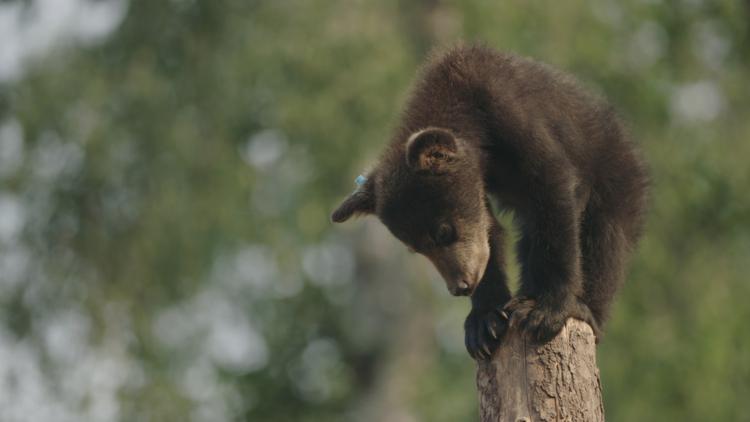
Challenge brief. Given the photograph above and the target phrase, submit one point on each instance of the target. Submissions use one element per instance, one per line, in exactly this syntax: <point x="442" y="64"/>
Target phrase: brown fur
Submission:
<point x="481" y="123"/>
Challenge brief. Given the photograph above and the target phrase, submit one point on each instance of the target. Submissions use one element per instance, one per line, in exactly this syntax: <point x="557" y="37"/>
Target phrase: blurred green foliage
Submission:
<point x="164" y="200"/>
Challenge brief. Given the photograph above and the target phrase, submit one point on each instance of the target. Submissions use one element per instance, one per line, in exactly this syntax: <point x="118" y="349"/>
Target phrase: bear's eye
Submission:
<point x="444" y="235"/>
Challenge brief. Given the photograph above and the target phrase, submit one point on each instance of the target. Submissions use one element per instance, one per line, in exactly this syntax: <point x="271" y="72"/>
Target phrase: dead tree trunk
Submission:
<point x="557" y="381"/>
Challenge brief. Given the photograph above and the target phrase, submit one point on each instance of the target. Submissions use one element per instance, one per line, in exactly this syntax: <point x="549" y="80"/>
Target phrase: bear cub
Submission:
<point x="482" y="124"/>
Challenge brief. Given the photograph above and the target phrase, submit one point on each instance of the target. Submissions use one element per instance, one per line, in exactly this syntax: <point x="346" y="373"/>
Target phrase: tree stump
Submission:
<point x="557" y="381"/>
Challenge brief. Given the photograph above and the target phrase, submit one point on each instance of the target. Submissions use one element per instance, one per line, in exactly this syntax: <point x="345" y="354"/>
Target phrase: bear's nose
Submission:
<point x="461" y="289"/>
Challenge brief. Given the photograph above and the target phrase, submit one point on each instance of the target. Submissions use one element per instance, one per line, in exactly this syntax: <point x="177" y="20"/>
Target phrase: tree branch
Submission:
<point x="557" y="381"/>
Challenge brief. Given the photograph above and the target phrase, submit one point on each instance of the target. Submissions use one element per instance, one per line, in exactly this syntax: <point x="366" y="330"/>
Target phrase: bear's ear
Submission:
<point x="361" y="201"/>
<point x="432" y="150"/>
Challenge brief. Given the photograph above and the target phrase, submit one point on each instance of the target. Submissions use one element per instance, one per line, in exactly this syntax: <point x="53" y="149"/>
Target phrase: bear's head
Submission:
<point x="429" y="192"/>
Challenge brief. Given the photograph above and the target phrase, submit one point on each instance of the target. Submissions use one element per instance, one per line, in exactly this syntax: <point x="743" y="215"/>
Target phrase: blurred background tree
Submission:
<point x="167" y="169"/>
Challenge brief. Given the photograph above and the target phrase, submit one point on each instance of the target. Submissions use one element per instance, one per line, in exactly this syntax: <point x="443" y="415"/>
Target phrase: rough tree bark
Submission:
<point x="557" y="381"/>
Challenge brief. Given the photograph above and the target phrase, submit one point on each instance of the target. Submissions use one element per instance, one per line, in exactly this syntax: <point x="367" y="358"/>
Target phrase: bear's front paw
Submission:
<point x="540" y="322"/>
<point x="484" y="331"/>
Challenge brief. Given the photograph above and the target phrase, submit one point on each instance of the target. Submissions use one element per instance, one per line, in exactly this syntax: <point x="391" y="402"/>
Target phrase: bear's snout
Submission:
<point x="461" y="289"/>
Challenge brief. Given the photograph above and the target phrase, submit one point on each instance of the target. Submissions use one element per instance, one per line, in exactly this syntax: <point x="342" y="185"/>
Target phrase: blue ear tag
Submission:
<point x="360" y="181"/>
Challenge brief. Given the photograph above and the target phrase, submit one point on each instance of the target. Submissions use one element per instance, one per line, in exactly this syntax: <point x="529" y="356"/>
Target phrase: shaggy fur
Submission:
<point x="483" y="124"/>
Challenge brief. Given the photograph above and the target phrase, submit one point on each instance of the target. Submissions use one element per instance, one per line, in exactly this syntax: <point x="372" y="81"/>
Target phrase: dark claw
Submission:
<point x="491" y="329"/>
<point x="543" y="323"/>
<point x="484" y="332"/>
